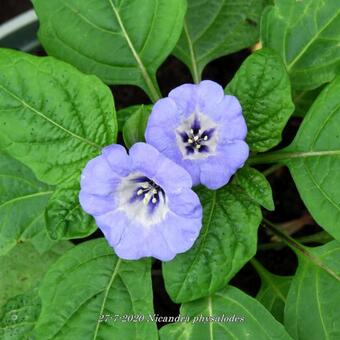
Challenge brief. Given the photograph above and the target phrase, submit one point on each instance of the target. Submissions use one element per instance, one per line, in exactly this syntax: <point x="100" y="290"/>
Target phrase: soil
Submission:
<point x="287" y="201"/>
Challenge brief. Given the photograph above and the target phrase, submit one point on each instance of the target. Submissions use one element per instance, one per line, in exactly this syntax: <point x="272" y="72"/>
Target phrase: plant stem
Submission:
<point x="320" y="237"/>
<point x="281" y="156"/>
<point x="272" y="169"/>
<point x="294" y="245"/>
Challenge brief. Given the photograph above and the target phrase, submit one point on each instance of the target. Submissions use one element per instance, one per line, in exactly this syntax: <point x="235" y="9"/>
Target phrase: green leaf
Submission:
<point x="22" y="204"/>
<point x="95" y="283"/>
<point x="135" y="126"/>
<point x="124" y="114"/>
<point x="65" y="219"/>
<point x="227" y="314"/>
<point x="263" y="89"/>
<point x="23" y="268"/>
<point x="256" y="186"/>
<point x="273" y="291"/>
<point x="314" y="159"/>
<point x="226" y="242"/>
<point x="312" y="309"/>
<point x="307" y="35"/>
<point x="52" y="117"/>
<point x="303" y="100"/>
<point x="214" y="28"/>
<point x="122" y="42"/>
<point x="19" y="316"/>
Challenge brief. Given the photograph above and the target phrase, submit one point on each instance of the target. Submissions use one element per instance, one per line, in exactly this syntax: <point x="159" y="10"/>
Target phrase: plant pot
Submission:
<point x="20" y="32"/>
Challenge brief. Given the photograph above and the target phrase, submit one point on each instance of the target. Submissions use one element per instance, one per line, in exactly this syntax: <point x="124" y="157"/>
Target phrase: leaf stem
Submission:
<point x="195" y="74"/>
<point x="281" y="156"/>
<point x="272" y="169"/>
<point x="320" y="237"/>
<point x="295" y="245"/>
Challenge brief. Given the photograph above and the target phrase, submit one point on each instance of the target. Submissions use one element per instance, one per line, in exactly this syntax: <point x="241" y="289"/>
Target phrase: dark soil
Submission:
<point x="287" y="201"/>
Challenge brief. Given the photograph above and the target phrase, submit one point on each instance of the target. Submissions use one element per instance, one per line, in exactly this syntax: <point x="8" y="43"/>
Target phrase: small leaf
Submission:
<point x="312" y="309"/>
<point x="227" y="314"/>
<point x="23" y="268"/>
<point x="135" y="126"/>
<point x="122" y="42"/>
<point x="263" y="89"/>
<point x="124" y="114"/>
<point x="22" y="204"/>
<point x="314" y="159"/>
<point x="273" y="291"/>
<point x="87" y="293"/>
<point x="256" y="186"/>
<point x="52" y="117"/>
<point x="226" y="243"/>
<point x="65" y="219"/>
<point x="214" y="28"/>
<point x="306" y="35"/>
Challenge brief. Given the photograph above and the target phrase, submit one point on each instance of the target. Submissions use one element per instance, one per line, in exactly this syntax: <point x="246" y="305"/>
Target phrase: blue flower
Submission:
<point x="142" y="202"/>
<point x="201" y="129"/>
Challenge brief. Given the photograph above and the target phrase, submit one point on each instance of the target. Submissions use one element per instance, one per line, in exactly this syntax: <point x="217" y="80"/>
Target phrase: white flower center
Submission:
<point x="142" y="199"/>
<point x="197" y="137"/>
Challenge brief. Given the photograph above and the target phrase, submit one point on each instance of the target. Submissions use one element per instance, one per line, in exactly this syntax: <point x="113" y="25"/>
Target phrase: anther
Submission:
<point x="198" y="146"/>
<point x="140" y="192"/>
<point x="196" y="138"/>
<point x="154" y="200"/>
<point x="190" y="141"/>
<point x="154" y="191"/>
<point x="192" y="131"/>
<point x="205" y="138"/>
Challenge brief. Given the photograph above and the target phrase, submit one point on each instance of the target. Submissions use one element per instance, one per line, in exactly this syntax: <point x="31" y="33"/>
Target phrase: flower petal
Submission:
<point x="209" y="95"/>
<point x="95" y="204"/>
<point x="185" y="204"/>
<point x="185" y="97"/>
<point x="98" y="177"/>
<point x="118" y="159"/>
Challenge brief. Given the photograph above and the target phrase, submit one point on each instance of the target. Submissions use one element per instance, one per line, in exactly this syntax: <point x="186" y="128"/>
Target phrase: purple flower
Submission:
<point x="142" y="202"/>
<point x="201" y="129"/>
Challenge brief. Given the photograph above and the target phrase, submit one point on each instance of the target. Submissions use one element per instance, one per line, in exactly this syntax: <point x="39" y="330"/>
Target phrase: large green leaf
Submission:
<point x="307" y="36"/>
<point x="227" y="241"/>
<point x="263" y="89"/>
<point x="312" y="309"/>
<point x="227" y="314"/>
<point x="256" y="186"/>
<point x="135" y="125"/>
<point x="123" y="42"/>
<point x="90" y="282"/>
<point x="22" y="204"/>
<point x="214" y="28"/>
<point x="65" y="219"/>
<point x="52" y="117"/>
<point x="273" y="291"/>
<point x="23" y="268"/>
<point x="303" y="100"/>
<point x="19" y="315"/>
<point x="314" y="159"/>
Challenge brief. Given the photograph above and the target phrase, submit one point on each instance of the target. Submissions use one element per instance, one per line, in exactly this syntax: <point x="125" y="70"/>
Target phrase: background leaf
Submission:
<point x="303" y="100"/>
<point x="312" y="309"/>
<point x="23" y="267"/>
<point x="263" y="89"/>
<point x="273" y="291"/>
<point x="22" y="204"/>
<point x="307" y="35"/>
<point x="226" y="242"/>
<point x="122" y="42"/>
<point x="65" y="219"/>
<point x="256" y="322"/>
<point x="19" y="316"/>
<point x="214" y="28"/>
<point x="135" y="126"/>
<point x="314" y="159"/>
<point x="52" y="117"/>
<point x="256" y="186"/>
<point x="95" y="282"/>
